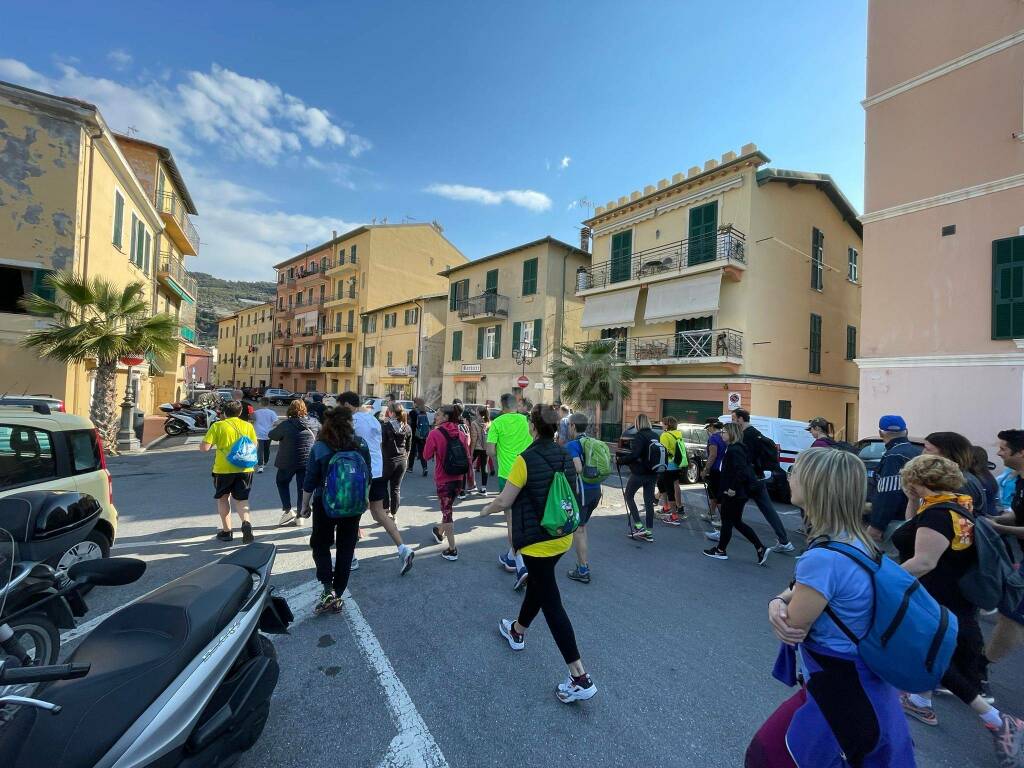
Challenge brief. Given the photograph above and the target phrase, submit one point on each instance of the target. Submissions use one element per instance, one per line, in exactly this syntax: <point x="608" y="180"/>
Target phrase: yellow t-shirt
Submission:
<point x="517" y="477"/>
<point x="669" y="440"/>
<point x="222" y="435"/>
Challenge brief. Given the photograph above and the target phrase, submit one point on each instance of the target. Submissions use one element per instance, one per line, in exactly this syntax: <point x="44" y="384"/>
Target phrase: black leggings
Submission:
<point x="732" y="517"/>
<point x="343" y="532"/>
<point x="394" y="497"/>
<point x="480" y="458"/>
<point x="963" y="677"/>
<point x="635" y="482"/>
<point x="416" y="451"/>
<point x="542" y="595"/>
<point x="263" y="452"/>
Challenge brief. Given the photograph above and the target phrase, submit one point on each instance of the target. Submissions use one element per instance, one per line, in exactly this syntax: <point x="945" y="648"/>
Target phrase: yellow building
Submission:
<point x="522" y="297"/>
<point x="244" y="347"/>
<point x="174" y="289"/>
<point x="403" y="348"/>
<point x="226" y="366"/>
<point x="70" y="200"/>
<point x="318" y="344"/>
<point x="732" y="284"/>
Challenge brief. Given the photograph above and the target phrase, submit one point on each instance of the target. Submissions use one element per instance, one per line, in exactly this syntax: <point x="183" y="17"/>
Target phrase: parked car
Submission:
<point x="278" y="396"/>
<point x="695" y="438"/>
<point x="44" y="449"/>
<point x="870" y="451"/>
<point x="224" y="393"/>
<point x="376" y="404"/>
<point x="252" y="393"/>
<point x="492" y="412"/>
<point x="54" y="403"/>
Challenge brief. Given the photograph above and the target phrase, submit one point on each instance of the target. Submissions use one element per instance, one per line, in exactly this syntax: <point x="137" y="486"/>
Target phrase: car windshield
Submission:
<point x="872" y="450"/>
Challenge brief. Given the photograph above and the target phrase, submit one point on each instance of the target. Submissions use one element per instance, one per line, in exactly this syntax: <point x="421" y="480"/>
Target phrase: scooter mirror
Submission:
<point x="112" y="572"/>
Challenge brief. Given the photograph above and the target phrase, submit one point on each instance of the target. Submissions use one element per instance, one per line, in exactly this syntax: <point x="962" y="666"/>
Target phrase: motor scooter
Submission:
<point x="184" y="420"/>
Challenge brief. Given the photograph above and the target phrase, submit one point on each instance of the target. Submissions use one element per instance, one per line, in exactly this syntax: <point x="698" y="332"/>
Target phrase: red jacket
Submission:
<point x="437" y="446"/>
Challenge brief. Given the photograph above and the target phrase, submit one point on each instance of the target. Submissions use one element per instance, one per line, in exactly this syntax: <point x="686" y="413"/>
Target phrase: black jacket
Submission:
<point x="296" y="435"/>
<point x="543" y="458"/>
<point x="635" y="459"/>
<point x="394" y="445"/>
<point x="737" y="474"/>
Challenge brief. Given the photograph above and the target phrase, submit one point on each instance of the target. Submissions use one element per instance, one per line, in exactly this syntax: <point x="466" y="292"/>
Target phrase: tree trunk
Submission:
<point x="103" y="410"/>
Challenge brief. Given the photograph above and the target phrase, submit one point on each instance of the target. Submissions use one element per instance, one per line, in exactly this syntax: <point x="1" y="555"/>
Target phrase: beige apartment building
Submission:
<point x="520" y="298"/>
<point x="944" y="217"/>
<point x="403" y="348"/>
<point x="71" y="200"/>
<point x="174" y="289"/>
<point x="318" y="344"/>
<point x="730" y="285"/>
<point x="244" y="347"/>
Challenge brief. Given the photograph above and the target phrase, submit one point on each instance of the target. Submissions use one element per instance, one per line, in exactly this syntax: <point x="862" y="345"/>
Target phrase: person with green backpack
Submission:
<point x="593" y="463"/>
<point x="544" y="513"/>
<point x="336" y="487"/>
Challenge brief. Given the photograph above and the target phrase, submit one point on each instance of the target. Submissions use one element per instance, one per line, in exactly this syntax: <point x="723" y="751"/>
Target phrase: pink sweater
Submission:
<point x="437" y="446"/>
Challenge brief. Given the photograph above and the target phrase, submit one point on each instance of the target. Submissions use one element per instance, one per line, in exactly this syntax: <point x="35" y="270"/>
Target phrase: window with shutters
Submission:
<point x="489" y="342"/>
<point x="851" y="342"/>
<point x="852" y="265"/>
<point x="785" y="409"/>
<point x="118" y="234"/>
<point x="622" y="252"/>
<point x="408" y="357"/>
<point x="814" y="362"/>
<point x="391" y="359"/>
<point x="456" y="345"/>
<point x="817" y="259"/>
<point x="458" y="292"/>
<point x="529" y="277"/>
<point x="368" y="356"/>
<point x="703" y="234"/>
<point x="1008" y="288"/>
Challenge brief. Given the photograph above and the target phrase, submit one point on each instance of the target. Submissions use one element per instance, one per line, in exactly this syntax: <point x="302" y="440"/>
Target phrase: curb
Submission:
<point x="159" y="439"/>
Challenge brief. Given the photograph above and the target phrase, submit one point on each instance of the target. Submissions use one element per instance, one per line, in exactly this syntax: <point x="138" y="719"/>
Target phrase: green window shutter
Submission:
<point x="622" y="252"/>
<point x="814" y="362"/>
<point x="39" y="285"/>
<point x="457" y="345"/>
<point x="701" y="246"/>
<point x="851" y="342"/>
<point x="452" y="296"/>
<point x="1008" y="288"/>
<point x="149" y="245"/>
<point x="492" y="281"/>
<point x="517" y="335"/>
<point x="530" y="277"/>
<point x="118" y="238"/>
<point x="135" y="235"/>
<point x="538" y="339"/>
<point x="480" y="336"/>
<point x="497" y="342"/>
<point x="817" y="258"/>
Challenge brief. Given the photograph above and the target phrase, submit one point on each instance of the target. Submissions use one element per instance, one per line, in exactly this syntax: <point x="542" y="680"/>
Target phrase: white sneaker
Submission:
<point x="571" y="690"/>
<point x="288" y="518"/>
<point x="355" y="564"/>
<point x="712" y="535"/>
<point x="787" y="547"/>
<point x="259" y="470"/>
<point x="515" y="641"/>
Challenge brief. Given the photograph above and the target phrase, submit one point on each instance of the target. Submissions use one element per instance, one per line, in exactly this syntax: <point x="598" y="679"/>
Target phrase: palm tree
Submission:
<point x="93" y="318"/>
<point x="593" y="378"/>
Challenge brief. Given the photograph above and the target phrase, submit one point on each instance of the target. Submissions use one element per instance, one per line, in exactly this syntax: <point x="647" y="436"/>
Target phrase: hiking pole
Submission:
<point x="622" y="487"/>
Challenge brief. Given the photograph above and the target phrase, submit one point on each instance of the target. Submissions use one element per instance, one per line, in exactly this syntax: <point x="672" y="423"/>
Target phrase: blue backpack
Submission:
<point x="242" y="452"/>
<point x="347" y="487"/>
<point x="911" y="637"/>
<point x="422" y="426"/>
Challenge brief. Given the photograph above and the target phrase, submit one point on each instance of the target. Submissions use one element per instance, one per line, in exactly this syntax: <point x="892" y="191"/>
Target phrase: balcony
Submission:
<point x="284" y="338"/>
<point x="718" y="345"/>
<point x="187" y="334"/>
<point x="304" y="275"/>
<point x="345" y="331"/>
<point x="725" y="250"/>
<point x="340" y="266"/>
<point x="179" y="225"/>
<point x="171" y="272"/>
<point x="341" y="363"/>
<point x="309" y="335"/>
<point x="346" y="295"/>
<point x="480" y="309"/>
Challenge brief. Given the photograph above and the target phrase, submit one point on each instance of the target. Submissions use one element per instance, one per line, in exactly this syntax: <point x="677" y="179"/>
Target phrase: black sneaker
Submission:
<point x="438" y="536"/>
<point x="224" y="536"/>
<point x="450" y="554"/>
<point x="247" y="537"/>
<point x="424" y="473"/>
<point x="715" y="553"/>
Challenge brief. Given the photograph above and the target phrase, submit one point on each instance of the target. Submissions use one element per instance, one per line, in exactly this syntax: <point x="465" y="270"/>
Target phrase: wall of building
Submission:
<point x="227" y="350"/>
<point x="403" y="262"/>
<point x="401" y="342"/>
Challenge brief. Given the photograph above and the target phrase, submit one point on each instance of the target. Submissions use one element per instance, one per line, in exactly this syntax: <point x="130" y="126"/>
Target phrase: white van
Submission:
<point x="789" y="434"/>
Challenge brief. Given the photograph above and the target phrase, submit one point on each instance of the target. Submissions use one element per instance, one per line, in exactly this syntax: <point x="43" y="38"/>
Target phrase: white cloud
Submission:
<point x="524" y="198"/>
<point x="565" y="162"/>
<point x="120" y="58"/>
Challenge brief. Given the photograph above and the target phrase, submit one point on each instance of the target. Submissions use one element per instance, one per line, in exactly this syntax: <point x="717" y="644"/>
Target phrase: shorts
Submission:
<point x="714" y="482"/>
<point x="378" y="489"/>
<point x="446" y="495"/>
<point x="238" y="484"/>
<point x="668" y="479"/>
<point x="590" y="501"/>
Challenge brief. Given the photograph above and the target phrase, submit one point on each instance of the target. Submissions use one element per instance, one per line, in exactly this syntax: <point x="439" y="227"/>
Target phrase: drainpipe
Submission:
<point x="560" y="319"/>
<point x="419" y="345"/>
<point x="85" y="250"/>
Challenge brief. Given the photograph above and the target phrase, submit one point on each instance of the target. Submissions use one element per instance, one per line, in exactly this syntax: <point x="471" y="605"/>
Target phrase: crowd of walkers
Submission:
<point x="933" y="506"/>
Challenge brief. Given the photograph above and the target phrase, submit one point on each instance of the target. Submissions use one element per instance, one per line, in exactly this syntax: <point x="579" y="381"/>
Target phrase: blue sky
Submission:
<point x="493" y="119"/>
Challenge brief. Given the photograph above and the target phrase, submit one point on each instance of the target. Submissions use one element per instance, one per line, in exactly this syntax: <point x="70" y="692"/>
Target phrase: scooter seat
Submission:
<point x="135" y="654"/>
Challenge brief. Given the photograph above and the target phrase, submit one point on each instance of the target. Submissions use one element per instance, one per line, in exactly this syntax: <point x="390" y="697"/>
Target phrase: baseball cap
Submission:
<point x="892" y="423"/>
<point x="818" y="421"/>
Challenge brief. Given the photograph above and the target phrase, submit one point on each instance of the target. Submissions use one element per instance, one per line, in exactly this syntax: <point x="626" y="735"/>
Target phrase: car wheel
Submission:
<point x="95" y="546"/>
<point x="38" y="641"/>
<point x="692" y="472"/>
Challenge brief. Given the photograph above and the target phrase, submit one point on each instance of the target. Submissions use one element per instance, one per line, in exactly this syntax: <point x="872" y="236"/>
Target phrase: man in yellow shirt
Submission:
<point x="230" y="480"/>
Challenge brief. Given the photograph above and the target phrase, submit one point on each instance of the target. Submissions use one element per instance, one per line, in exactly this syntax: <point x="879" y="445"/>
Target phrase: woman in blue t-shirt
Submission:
<point x="590" y="495"/>
<point x="843" y="713"/>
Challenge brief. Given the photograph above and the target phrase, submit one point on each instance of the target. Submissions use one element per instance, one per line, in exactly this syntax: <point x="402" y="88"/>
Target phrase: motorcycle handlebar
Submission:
<point x="43" y="674"/>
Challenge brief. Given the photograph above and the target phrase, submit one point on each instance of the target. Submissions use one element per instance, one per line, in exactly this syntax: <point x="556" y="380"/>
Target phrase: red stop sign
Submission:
<point x="523" y="382"/>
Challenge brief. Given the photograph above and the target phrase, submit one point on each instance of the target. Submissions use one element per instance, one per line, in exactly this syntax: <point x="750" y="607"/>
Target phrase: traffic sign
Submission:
<point x="523" y="382"/>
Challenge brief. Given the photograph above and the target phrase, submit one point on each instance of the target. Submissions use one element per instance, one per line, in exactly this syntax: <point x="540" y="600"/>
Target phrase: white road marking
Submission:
<point x="194" y="440"/>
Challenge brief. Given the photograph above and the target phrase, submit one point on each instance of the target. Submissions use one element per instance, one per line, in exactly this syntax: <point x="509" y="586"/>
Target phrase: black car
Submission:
<point x="871" y="449"/>
<point x="695" y="438"/>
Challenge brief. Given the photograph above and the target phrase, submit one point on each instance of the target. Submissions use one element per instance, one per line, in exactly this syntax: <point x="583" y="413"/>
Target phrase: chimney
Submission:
<point x="585" y="234"/>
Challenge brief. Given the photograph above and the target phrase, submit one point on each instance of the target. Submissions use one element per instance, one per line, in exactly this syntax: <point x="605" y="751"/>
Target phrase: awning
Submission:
<point x="682" y="298"/>
<point x="611" y="310"/>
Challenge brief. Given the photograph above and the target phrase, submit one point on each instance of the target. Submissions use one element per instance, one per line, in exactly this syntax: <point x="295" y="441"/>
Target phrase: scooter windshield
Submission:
<point x="6" y="565"/>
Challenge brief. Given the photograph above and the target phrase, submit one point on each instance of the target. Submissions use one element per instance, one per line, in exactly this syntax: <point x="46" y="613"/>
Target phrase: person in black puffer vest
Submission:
<point x="296" y="434"/>
<point x="526" y="492"/>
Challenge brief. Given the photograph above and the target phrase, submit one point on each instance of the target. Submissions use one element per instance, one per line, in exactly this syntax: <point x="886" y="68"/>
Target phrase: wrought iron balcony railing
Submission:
<point x="486" y="306"/>
<point x="710" y="344"/>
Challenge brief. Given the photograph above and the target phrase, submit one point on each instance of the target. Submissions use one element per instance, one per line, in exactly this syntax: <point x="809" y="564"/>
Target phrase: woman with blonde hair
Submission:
<point x="736" y="480"/>
<point x="843" y="714"/>
<point x="936" y="545"/>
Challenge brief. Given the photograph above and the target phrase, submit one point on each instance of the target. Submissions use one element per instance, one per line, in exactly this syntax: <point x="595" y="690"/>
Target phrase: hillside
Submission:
<point x="218" y="297"/>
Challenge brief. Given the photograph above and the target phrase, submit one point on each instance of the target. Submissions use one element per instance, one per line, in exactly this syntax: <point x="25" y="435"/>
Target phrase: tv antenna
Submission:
<point x="131" y="130"/>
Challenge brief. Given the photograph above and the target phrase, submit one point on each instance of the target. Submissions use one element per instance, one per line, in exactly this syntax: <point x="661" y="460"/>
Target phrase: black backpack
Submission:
<point x="766" y="453"/>
<point x="842" y="445"/>
<point x="456" y="460"/>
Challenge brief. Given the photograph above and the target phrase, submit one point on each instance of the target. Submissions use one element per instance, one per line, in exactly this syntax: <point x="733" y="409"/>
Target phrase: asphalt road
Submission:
<point x="414" y="673"/>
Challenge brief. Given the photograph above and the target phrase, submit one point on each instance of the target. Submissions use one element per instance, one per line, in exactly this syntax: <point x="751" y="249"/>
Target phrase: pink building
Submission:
<point x="198" y="365"/>
<point x="943" y="304"/>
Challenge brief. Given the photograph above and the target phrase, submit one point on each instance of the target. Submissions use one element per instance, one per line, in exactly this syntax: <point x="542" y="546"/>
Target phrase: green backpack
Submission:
<point x="597" y="460"/>
<point x="561" y="510"/>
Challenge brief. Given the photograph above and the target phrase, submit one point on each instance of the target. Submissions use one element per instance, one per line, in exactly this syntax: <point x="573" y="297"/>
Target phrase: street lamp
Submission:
<point x="126" y="439"/>
<point x="524" y="354"/>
